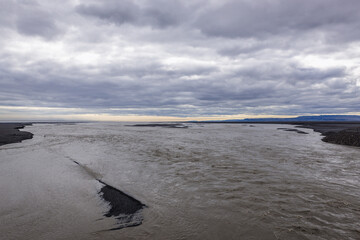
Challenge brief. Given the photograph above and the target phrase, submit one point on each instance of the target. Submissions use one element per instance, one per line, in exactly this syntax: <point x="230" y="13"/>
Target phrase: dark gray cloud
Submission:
<point x="29" y="17"/>
<point x="118" y="12"/>
<point x="248" y="19"/>
<point x="6" y="13"/>
<point x="254" y="88"/>
<point x="36" y="23"/>
<point x="181" y="58"/>
<point x="158" y="13"/>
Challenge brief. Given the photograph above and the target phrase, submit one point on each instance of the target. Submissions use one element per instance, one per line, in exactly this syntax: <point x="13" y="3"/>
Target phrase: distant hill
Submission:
<point x="320" y="118"/>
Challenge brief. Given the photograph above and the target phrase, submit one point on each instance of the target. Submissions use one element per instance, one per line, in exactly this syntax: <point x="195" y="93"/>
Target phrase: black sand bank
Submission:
<point x="122" y="206"/>
<point x="164" y="125"/>
<point x="343" y="133"/>
<point x="10" y="133"/>
<point x="125" y="208"/>
<point x="337" y="132"/>
<point x="292" y="130"/>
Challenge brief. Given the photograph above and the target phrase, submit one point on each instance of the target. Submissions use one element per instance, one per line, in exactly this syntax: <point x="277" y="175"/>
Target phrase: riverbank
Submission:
<point x="10" y="133"/>
<point x="338" y="133"/>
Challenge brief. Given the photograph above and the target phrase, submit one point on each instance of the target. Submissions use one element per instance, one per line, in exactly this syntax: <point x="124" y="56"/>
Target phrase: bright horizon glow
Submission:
<point x="9" y="113"/>
<point x="178" y="60"/>
<point x="76" y="114"/>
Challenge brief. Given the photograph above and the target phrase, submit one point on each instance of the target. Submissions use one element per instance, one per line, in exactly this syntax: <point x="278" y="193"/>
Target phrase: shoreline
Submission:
<point x="125" y="208"/>
<point x="345" y="133"/>
<point x="342" y="133"/>
<point x="10" y="133"/>
<point x="128" y="211"/>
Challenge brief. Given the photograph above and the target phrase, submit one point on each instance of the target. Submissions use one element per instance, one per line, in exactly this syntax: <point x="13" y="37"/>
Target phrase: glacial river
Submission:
<point x="211" y="181"/>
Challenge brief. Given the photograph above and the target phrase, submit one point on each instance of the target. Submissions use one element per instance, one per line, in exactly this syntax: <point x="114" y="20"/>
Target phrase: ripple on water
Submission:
<point x="221" y="181"/>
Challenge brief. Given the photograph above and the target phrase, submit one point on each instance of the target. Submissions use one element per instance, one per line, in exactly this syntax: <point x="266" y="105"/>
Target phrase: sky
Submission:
<point x="160" y="60"/>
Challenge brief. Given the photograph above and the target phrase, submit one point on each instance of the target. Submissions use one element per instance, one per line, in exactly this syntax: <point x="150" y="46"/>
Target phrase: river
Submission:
<point x="207" y="181"/>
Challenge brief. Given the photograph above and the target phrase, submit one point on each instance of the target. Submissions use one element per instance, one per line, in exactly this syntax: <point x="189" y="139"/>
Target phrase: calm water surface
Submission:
<point x="214" y="181"/>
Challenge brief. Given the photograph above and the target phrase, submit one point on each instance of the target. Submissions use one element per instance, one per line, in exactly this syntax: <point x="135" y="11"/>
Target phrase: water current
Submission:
<point x="207" y="181"/>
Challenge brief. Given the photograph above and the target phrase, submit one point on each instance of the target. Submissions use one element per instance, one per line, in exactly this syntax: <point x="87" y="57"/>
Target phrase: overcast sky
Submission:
<point x="169" y="59"/>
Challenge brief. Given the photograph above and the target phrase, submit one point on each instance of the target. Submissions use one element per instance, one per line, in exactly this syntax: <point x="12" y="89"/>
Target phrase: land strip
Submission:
<point x="10" y="133"/>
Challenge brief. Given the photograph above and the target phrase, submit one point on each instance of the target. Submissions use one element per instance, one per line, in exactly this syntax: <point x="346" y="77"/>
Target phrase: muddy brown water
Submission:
<point x="214" y="181"/>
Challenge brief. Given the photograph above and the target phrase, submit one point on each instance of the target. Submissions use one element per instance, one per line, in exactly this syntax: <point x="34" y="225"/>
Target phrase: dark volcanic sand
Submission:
<point x="10" y="133"/>
<point x="165" y="125"/>
<point x="124" y="207"/>
<point x="293" y="130"/>
<point x="343" y="133"/>
<point x="338" y="133"/>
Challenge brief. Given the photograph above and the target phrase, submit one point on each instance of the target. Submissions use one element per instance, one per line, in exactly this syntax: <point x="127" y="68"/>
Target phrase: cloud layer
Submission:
<point x="181" y="58"/>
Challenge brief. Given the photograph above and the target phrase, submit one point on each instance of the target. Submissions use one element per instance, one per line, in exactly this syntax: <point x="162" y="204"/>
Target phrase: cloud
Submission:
<point x="36" y="22"/>
<point x="6" y="13"/>
<point x="263" y="19"/>
<point x="30" y="18"/>
<point x="118" y="12"/>
<point x="180" y="58"/>
<point x="158" y="13"/>
<point x="154" y="91"/>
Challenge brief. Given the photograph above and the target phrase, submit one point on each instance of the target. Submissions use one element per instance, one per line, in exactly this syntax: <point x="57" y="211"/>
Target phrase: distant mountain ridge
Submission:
<point x="320" y="118"/>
